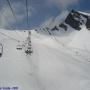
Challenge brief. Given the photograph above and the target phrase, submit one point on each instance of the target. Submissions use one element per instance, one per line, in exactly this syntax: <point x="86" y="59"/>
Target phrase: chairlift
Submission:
<point x="19" y="47"/>
<point x="28" y="50"/>
<point x="1" y="50"/>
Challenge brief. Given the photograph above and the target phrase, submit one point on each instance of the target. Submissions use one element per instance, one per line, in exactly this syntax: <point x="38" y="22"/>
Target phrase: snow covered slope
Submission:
<point x="81" y="40"/>
<point x="53" y="65"/>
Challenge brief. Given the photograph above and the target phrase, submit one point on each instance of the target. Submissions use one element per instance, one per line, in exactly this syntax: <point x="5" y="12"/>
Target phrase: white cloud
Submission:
<point x="6" y="17"/>
<point x="47" y="22"/>
<point x="52" y="21"/>
<point x="62" y="3"/>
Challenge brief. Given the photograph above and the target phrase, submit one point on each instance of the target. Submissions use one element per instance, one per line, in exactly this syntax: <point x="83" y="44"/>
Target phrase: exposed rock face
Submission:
<point x="47" y="28"/>
<point x="88" y="23"/>
<point x="76" y="19"/>
<point x="62" y="25"/>
<point x="55" y="28"/>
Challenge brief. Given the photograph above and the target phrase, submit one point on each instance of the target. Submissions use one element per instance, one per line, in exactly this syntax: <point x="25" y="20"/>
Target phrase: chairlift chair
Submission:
<point x="19" y="47"/>
<point x="1" y="50"/>
<point x="28" y="50"/>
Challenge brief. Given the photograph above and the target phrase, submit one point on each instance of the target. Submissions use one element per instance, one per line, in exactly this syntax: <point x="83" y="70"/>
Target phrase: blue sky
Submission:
<point x="39" y="11"/>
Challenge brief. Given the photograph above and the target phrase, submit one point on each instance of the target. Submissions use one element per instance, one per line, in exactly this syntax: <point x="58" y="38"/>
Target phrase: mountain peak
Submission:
<point x="74" y="19"/>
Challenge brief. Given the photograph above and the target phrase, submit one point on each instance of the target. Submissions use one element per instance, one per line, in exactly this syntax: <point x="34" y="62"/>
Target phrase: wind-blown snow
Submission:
<point x="55" y="21"/>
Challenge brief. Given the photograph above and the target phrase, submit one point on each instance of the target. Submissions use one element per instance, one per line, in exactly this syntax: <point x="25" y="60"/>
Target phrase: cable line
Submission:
<point x="9" y="36"/>
<point x="10" y="6"/>
<point x="27" y="13"/>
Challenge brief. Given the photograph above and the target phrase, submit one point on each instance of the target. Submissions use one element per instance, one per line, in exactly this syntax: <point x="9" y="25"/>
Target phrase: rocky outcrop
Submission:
<point x="76" y="19"/>
<point x="55" y="28"/>
<point x="88" y="23"/>
<point x="62" y="25"/>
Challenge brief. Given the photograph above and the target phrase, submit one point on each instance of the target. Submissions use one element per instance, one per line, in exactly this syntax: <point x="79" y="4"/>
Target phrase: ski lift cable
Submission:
<point x="10" y="6"/>
<point x="29" y="32"/>
<point x="19" y="34"/>
<point x="9" y="36"/>
<point x="27" y="12"/>
<point x="9" y="3"/>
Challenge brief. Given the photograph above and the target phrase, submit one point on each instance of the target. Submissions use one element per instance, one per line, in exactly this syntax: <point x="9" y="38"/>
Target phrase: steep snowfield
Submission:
<point x="81" y="40"/>
<point x="52" y="66"/>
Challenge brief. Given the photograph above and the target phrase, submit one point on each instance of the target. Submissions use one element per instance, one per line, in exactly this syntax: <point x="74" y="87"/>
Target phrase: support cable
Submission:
<point x="10" y="6"/>
<point x="9" y="36"/>
<point x="27" y="13"/>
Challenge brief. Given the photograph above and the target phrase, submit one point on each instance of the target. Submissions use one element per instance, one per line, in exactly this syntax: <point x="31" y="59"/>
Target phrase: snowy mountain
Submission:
<point x="67" y="26"/>
<point x="60" y="58"/>
<point x="74" y="19"/>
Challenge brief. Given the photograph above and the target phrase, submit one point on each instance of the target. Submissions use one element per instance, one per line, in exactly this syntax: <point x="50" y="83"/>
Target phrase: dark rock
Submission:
<point x="62" y="25"/>
<point x="76" y="19"/>
<point x="55" y="28"/>
<point x="47" y="28"/>
<point x="88" y="23"/>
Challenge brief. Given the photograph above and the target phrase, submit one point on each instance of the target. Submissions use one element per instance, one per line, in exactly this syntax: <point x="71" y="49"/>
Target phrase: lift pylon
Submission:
<point x="28" y="47"/>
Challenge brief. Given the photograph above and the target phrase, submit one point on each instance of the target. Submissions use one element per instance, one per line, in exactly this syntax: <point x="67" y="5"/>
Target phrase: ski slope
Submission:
<point x="52" y="65"/>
